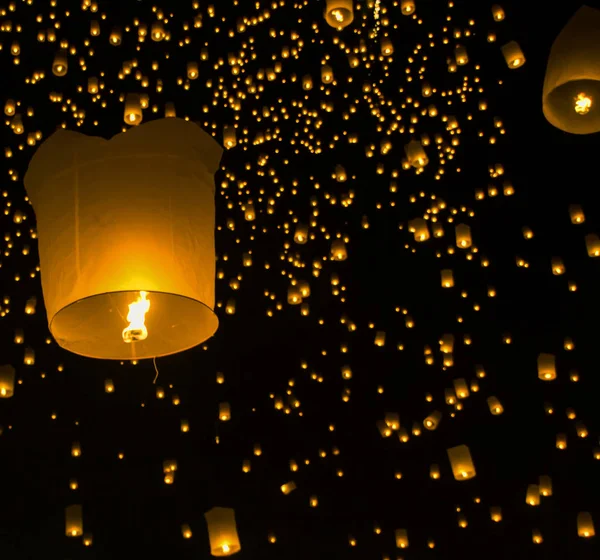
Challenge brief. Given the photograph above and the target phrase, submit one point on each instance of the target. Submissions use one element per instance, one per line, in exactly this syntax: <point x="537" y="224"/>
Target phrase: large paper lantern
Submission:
<point x="126" y="238"/>
<point x="571" y="94"/>
<point x="222" y="531"/>
<point x="339" y="13"/>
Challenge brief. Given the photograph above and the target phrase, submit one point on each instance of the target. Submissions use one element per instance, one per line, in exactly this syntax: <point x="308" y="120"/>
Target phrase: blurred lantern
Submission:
<point x="7" y="381"/>
<point x="339" y="13"/>
<point x="73" y="521"/>
<point x="415" y="154"/>
<point x="463" y="236"/>
<point x="461" y="462"/>
<point x="585" y="525"/>
<point x="497" y="12"/>
<point x="447" y="278"/>
<point x="222" y="531"/>
<point x="546" y="367"/>
<point x="288" y="487"/>
<point x="407" y="7"/>
<point x="338" y="250"/>
<point x="401" y="538"/>
<point x="592" y="243"/>
<point x="133" y="109"/>
<point x="571" y="90"/>
<point x="30" y="305"/>
<point x="433" y="420"/>
<point x="229" y="139"/>
<point x="117" y="259"/>
<point x="513" y="55"/>
<point x="224" y="412"/>
<point x="60" y="66"/>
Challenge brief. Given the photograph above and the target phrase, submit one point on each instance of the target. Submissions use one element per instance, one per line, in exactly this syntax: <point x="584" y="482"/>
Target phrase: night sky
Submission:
<point x="307" y="383"/>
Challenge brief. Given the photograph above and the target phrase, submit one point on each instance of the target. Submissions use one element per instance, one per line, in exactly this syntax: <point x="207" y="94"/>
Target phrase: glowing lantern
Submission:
<point x="407" y="7"/>
<point x="496" y="514"/>
<point x="339" y="13"/>
<point x="592" y="243"/>
<point x="92" y="85"/>
<point x="338" y="250"/>
<point x="222" y="531"/>
<point x="88" y="539"/>
<point x="447" y="278"/>
<point x="460" y="55"/>
<point x="60" y="66"/>
<point x="533" y="495"/>
<point x="401" y="538"/>
<point x="558" y="267"/>
<point x="133" y="109"/>
<point x="224" y="412"/>
<point x="109" y="386"/>
<point x="115" y="37"/>
<point x="495" y="406"/>
<point x="387" y="48"/>
<point x="420" y="229"/>
<point x="29" y="356"/>
<point x="294" y="297"/>
<point x="513" y="55"/>
<point x="497" y="12"/>
<point x="9" y="108"/>
<point x="576" y="214"/>
<point x="545" y="486"/>
<point x="7" y="381"/>
<point x="380" y="338"/>
<point x="434" y="472"/>
<point x="572" y="83"/>
<point x="192" y="70"/>
<point x="461" y="462"/>
<point x="157" y="31"/>
<point x="288" y="487"/>
<point x="447" y="343"/>
<point x="415" y="154"/>
<point x="546" y="367"/>
<point x="186" y="531"/>
<point x="326" y="74"/>
<point x="94" y="28"/>
<point x="463" y="236"/>
<point x="134" y="262"/>
<point x="585" y="525"/>
<point x="73" y="521"/>
<point x="30" y="305"/>
<point x="433" y="420"/>
<point x="461" y="388"/>
<point x="307" y="83"/>
<point x="536" y="536"/>
<point x="229" y="139"/>
<point x="170" y="111"/>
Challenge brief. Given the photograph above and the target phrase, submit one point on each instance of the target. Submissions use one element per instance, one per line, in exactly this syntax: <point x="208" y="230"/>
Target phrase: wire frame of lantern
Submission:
<point x="132" y="273"/>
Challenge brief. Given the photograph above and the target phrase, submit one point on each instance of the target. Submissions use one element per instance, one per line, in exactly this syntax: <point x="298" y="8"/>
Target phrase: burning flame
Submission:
<point x="583" y="104"/>
<point x="137" y="314"/>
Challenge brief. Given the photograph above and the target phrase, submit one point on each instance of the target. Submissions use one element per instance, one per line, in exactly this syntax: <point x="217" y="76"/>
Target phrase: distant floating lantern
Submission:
<point x="60" y="65"/>
<point x="224" y="412"/>
<point x="496" y="514"/>
<point x="73" y="521"/>
<point x="447" y="278"/>
<point x="192" y="70"/>
<point x="222" y="531"/>
<point x="576" y="214"/>
<point x="157" y="31"/>
<point x="307" y="83"/>
<point x="460" y="55"/>
<point x="339" y="13"/>
<point x="229" y="138"/>
<point x="415" y="154"/>
<point x="546" y="367"/>
<point x="115" y="37"/>
<point x="7" y="381"/>
<point x="513" y="55"/>
<point x="533" y="495"/>
<point x="401" y="538"/>
<point x="463" y="236"/>
<point x="29" y="356"/>
<point x="338" y="250"/>
<point x="109" y="386"/>
<point x="433" y="420"/>
<point x="495" y="406"/>
<point x="131" y="256"/>
<point x="133" y="109"/>
<point x="585" y="525"/>
<point x="30" y="305"/>
<point x="288" y="487"/>
<point x="571" y="92"/>
<point x="497" y="12"/>
<point x="545" y="486"/>
<point x="387" y="47"/>
<point x="461" y="462"/>
<point x="170" y="111"/>
<point x="326" y="74"/>
<point x="592" y="243"/>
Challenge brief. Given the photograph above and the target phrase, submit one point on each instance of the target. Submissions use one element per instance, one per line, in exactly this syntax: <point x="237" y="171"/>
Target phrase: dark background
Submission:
<point x="127" y="507"/>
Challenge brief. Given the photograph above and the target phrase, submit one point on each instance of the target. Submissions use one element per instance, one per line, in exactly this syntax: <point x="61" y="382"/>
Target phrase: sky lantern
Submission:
<point x="461" y="462"/>
<point x="132" y="273"/>
<point x="571" y="90"/>
<point x="513" y="55"/>
<point x="7" y="381"/>
<point x="222" y="531"/>
<point x="339" y="13"/>
<point x="73" y="521"/>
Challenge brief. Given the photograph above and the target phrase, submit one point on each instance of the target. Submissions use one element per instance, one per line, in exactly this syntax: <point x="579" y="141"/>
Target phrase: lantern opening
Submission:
<point x="137" y="315"/>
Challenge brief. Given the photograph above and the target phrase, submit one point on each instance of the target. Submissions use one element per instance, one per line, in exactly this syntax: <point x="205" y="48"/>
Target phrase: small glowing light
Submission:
<point x="583" y="104"/>
<point x="225" y="547"/>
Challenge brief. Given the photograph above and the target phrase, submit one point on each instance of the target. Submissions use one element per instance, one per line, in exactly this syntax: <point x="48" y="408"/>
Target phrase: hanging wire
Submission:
<point x="154" y="362"/>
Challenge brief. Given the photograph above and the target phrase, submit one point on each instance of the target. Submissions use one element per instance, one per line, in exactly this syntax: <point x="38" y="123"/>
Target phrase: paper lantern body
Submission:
<point x="7" y="381"/>
<point x="571" y="94"/>
<point x="116" y="217"/>
<point x="222" y="531"/>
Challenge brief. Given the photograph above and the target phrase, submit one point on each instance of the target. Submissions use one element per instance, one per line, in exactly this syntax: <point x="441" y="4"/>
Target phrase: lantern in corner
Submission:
<point x="222" y="531"/>
<point x="571" y="92"/>
<point x="339" y="13"/>
<point x="126" y="238"/>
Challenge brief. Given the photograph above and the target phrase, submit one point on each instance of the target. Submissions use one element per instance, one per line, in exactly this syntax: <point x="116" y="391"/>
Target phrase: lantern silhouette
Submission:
<point x="130" y="272"/>
<point x="571" y="92"/>
<point x="7" y="381"/>
<point x="222" y="532"/>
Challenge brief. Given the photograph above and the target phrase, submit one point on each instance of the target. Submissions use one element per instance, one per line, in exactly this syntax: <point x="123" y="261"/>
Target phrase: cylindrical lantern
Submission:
<point x="133" y="109"/>
<point x="460" y="55"/>
<point x="513" y="55"/>
<point x="339" y="13"/>
<point x="576" y="214"/>
<point x="60" y="66"/>
<point x="533" y="495"/>
<point x="461" y="462"/>
<point x="433" y="420"/>
<point x="326" y="74"/>
<point x="545" y="485"/>
<point x="7" y="381"/>
<point x="338" y="250"/>
<point x="463" y="236"/>
<point x="497" y="12"/>
<point x="229" y="139"/>
<point x="401" y="538"/>
<point x="495" y="406"/>
<point x="387" y="47"/>
<point x="130" y="273"/>
<point x="546" y="367"/>
<point x="447" y="278"/>
<point x="192" y="70"/>
<point x="571" y="92"/>
<point x="224" y="412"/>
<point x="222" y="531"/>
<point x="420" y="229"/>
<point x="407" y="7"/>
<point x="415" y="154"/>
<point x="592" y="243"/>
<point x="73" y="521"/>
<point x="585" y="525"/>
